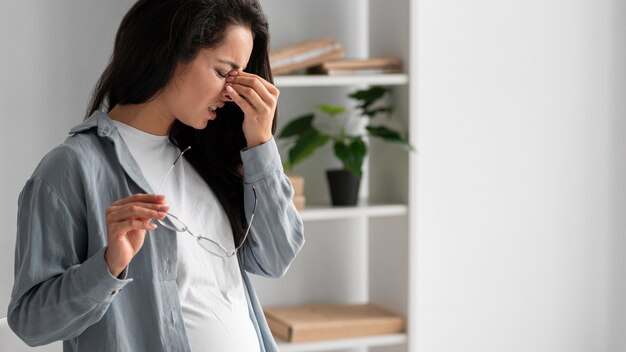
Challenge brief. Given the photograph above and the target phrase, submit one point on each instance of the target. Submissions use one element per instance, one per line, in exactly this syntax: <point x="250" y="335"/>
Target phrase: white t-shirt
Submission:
<point x="210" y="287"/>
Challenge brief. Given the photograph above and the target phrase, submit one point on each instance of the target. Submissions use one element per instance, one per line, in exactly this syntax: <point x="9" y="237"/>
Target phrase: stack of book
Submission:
<point x="304" y="55"/>
<point x="371" y="66"/>
<point x="311" y="322"/>
<point x="299" y="200"/>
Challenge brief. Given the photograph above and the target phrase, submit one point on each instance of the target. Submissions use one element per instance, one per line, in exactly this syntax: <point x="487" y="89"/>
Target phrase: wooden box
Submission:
<point x="331" y="321"/>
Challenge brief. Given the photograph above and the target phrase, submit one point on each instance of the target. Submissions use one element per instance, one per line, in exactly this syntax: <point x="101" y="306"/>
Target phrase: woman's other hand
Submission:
<point x="257" y="98"/>
<point x="127" y="221"/>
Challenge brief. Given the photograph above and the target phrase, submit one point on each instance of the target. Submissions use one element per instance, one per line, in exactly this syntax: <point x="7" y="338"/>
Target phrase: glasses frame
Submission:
<point x="225" y="252"/>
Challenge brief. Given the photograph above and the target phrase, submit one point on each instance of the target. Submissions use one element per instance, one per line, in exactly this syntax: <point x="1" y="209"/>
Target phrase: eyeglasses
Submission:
<point x="205" y="242"/>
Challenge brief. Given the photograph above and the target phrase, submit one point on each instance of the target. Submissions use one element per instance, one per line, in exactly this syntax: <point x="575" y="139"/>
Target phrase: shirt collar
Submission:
<point x="100" y="120"/>
<point x="106" y="128"/>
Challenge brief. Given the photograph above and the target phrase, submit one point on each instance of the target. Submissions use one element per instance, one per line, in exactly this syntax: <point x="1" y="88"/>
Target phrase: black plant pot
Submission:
<point x="343" y="186"/>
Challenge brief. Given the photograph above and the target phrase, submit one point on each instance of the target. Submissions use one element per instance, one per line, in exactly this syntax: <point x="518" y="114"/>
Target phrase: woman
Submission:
<point x="124" y="245"/>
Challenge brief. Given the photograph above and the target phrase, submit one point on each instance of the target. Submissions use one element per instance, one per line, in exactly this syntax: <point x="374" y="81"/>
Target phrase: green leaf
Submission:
<point x="387" y="110"/>
<point x="306" y="144"/>
<point x="343" y="154"/>
<point x="297" y="126"/>
<point x="341" y="151"/>
<point x="369" y="96"/>
<point x="351" y="153"/>
<point x="358" y="149"/>
<point x="389" y="135"/>
<point x="331" y="110"/>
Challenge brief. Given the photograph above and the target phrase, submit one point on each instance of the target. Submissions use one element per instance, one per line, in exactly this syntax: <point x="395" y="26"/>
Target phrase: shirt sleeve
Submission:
<point x="56" y="296"/>
<point x="277" y="232"/>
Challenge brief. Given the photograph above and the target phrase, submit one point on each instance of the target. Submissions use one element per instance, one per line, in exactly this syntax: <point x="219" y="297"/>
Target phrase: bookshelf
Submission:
<point x="359" y="254"/>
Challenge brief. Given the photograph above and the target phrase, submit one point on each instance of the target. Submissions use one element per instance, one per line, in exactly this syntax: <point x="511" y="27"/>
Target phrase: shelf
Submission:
<point x="324" y="81"/>
<point x="350" y="254"/>
<point x="331" y="345"/>
<point x="317" y="212"/>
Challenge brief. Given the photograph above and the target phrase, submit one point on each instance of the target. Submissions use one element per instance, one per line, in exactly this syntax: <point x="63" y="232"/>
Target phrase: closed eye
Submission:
<point x="221" y="74"/>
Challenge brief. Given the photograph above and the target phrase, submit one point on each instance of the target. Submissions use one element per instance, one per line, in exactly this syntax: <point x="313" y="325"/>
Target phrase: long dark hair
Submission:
<point x="153" y="38"/>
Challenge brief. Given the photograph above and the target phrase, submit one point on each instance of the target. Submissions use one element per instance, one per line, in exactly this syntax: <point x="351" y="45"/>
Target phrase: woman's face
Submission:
<point x="198" y="87"/>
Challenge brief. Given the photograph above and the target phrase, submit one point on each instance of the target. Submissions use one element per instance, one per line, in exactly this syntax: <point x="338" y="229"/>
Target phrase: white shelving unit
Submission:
<point x="358" y="254"/>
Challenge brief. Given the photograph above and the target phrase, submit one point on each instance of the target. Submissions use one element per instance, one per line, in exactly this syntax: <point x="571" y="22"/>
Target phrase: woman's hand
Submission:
<point x="257" y="98"/>
<point x="127" y="221"/>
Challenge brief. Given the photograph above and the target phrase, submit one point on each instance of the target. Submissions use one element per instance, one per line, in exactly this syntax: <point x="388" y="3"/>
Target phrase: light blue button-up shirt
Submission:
<point x="63" y="289"/>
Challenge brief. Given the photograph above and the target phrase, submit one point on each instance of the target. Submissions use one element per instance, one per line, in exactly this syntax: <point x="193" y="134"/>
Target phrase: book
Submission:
<point x="358" y="66"/>
<point x="359" y="71"/>
<point x="303" y="55"/>
<point x="313" y="322"/>
<point x="362" y="63"/>
<point x="297" y="182"/>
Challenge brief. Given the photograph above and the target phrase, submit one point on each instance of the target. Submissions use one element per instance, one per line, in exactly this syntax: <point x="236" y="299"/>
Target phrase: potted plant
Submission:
<point x="349" y="147"/>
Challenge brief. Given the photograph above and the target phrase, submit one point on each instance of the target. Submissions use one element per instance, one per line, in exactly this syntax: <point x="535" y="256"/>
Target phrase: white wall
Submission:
<point x="521" y="175"/>
<point x="52" y="55"/>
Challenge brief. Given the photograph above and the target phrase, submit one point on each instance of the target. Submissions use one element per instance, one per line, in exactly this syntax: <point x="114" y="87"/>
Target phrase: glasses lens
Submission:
<point x="173" y="223"/>
<point x="214" y="248"/>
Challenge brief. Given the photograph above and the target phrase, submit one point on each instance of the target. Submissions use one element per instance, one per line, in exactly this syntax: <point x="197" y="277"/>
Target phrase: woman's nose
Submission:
<point x="224" y="95"/>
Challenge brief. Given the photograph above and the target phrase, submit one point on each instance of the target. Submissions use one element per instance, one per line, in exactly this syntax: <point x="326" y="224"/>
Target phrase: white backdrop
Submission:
<point x="52" y="53"/>
<point x="521" y="175"/>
